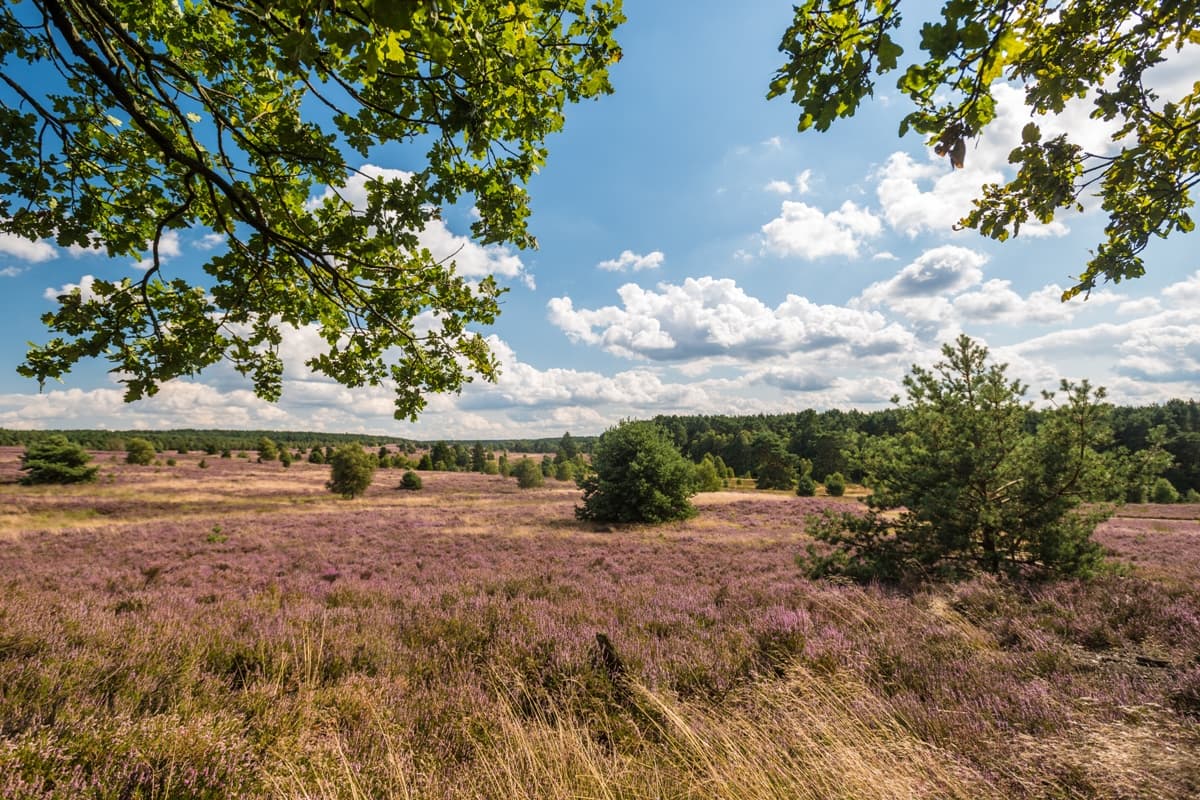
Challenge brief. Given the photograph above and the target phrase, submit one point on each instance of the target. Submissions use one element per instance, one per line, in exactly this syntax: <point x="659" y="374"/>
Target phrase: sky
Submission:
<point x="698" y="255"/>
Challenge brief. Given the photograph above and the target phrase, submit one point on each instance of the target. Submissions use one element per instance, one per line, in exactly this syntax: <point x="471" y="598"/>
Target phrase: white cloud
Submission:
<point x="941" y="271"/>
<point x="26" y="249"/>
<point x="803" y="181"/>
<point x="11" y="272"/>
<point x="84" y="286"/>
<point x="709" y="317"/>
<point x="210" y="240"/>
<point x="631" y="261"/>
<point x="801" y="186"/>
<point x="168" y="248"/>
<point x="804" y="231"/>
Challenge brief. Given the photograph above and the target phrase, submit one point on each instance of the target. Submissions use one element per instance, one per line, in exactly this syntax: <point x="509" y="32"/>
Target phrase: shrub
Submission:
<point x="805" y="485"/>
<point x="315" y="456"/>
<point x="564" y="471"/>
<point x="637" y="475"/>
<point x="707" y="479"/>
<point x="285" y="458"/>
<point x="170" y="462"/>
<point x="1164" y="492"/>
<point x="967" y="485"/>
<point x="529" y="473"/>
<point x="351" y="471"/>
<point x="426" y="463"/>
<point x="139" y="451"/>
<point x="267" y="450"/>
<point x="491" y="468"/>
<point x="835" y="484"/>
<point x="203" y="463"/>
<point x="411" y="481"/>
<point x="56" y="460"/>
<point x="226" y="454"/>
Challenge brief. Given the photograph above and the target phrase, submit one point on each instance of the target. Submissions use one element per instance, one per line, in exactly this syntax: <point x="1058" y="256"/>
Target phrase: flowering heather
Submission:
<point x="238" y="631"/>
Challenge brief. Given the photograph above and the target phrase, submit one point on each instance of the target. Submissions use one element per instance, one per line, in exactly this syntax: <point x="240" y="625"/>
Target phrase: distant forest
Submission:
<point x="831" y="440"/>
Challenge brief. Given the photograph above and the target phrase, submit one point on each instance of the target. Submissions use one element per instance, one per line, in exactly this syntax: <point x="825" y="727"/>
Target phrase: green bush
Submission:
<point x="529" y="473"/>
<point x="805" y="485"/>
<point x="835" y="484"/>
<point x="637" y="475"/>
<point x="707" y="479"/>
<point x="56" y="460"/>
<point x="139" y="451"/>
<point x="315" y="456"/>
<point x="351" y="471"/>
<point x="1164" y="492"/>
<point x="410" y="481"/>
<point x="267" y="450"/>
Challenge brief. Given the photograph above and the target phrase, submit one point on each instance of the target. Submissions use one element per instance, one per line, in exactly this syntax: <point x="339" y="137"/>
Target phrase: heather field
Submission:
<point x="237" y="631"/>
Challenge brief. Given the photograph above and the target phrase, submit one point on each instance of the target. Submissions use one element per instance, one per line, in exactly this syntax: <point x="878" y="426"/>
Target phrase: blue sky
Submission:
<point x="698" y="255"/>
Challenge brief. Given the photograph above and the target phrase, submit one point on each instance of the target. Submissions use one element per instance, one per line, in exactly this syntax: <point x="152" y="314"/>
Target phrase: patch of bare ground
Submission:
<point x="236" y="630"/>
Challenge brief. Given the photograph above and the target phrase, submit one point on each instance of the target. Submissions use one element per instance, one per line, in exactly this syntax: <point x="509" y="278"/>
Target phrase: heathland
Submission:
<point x="236" y="630"/>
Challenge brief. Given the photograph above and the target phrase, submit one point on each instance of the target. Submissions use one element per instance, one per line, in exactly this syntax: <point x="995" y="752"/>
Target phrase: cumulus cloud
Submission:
<point x="807" y="232"/>
<point x="940" y="271"/>
<point x="631" y="261"/>
<point x="801" y="186"/>
<point x="168" y="248"/>
<point x="710" y="317"/>
<point x="26" y="249"/>
<point x="11" y="272"/>
<point x="84" y="286"/>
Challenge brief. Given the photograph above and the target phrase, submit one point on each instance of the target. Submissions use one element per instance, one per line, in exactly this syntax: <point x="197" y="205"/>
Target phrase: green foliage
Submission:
<point x="639" y="476"/>
<point x="564" y="471"/>
<point x="805" y="485"/>
<point x="529" y="473"/>
<point x="139" y="451"/>
<point x="351" y="471"/>
<point x="55" y="459"/>
<point x="835" y="49"/>
<point x="835" y="484"/>
<point x="567" y="450"/>
<point x="966" y="486"/>
<point x="410" y="481"/>
<point x="267" y="449"/>
<point x="232" y="117"/>
<point x="776" y="467"/>
<point x="315" y="456"/>
<point x="1164" y="492"/>
<point x="285" y="458"/>
<point x="707" y="478"/>
<point x="478" y="458"/>
<point x="425" y="463"/>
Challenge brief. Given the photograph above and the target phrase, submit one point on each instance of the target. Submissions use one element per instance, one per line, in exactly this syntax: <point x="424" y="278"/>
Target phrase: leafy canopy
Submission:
<point x="1058" y="50"/>
<point x="966" y="486"/>
<point x="638" y="475"/>
<point x="232" y="116"/>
